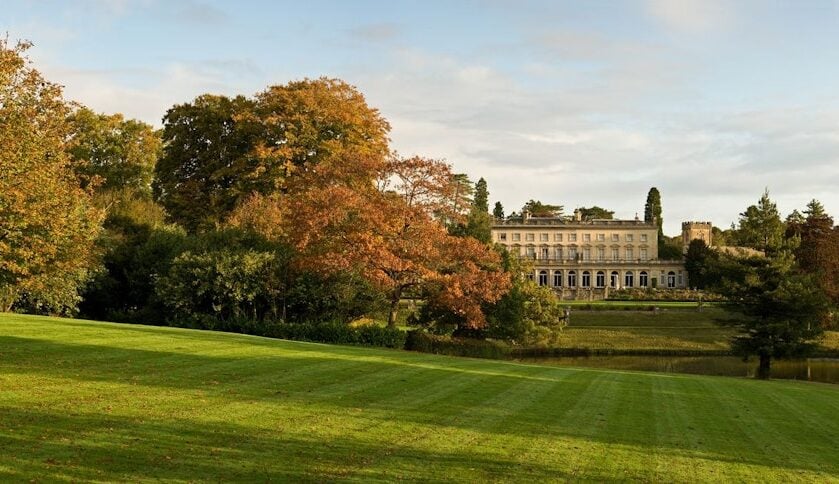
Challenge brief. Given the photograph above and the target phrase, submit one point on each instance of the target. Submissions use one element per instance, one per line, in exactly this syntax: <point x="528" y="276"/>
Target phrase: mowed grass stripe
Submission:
<point x="85" y="401"/>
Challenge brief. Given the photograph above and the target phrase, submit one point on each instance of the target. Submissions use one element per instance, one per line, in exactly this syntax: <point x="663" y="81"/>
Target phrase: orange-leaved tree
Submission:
<point x="382" y="218"/>
<point x="47" y="222"/>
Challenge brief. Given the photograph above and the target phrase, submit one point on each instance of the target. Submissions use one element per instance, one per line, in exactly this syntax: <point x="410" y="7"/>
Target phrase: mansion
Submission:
<point x="580" y="258"/>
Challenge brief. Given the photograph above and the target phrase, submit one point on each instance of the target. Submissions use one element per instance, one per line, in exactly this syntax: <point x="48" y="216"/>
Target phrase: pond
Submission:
<point x="814" y="369"/>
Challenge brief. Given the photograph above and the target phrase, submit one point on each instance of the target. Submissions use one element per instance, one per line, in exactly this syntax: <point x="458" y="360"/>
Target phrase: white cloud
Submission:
<point x="692" y="16"/>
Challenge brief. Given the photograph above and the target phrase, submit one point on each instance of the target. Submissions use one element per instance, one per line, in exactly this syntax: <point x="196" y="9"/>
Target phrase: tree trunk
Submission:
<point x="394" y="312"/>
<point x="764" y="367"/>
<point x="394" y="307"/>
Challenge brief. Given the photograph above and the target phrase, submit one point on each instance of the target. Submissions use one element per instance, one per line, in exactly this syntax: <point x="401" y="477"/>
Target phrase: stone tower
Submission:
<point x="696" y="230"/>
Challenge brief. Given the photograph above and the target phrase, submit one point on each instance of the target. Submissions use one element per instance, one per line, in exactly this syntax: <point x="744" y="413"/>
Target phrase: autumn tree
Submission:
<point x="47" y="222"/>
<point x="382" y="218"/>
<point x="218" y="151"/>
<point x="114" y="152"/>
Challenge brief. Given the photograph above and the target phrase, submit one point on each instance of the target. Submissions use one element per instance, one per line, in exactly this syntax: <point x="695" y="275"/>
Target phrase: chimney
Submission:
<point x="578" y="215"/>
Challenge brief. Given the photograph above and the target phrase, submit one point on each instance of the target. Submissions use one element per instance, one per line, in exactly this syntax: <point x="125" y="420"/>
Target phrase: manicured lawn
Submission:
<point x="86" y="401"/>
<point x="632" y="330"/>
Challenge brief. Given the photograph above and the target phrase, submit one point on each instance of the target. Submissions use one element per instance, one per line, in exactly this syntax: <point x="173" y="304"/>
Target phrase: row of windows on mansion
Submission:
<point x="574" y="279"/>
<point x="572" y="252"/>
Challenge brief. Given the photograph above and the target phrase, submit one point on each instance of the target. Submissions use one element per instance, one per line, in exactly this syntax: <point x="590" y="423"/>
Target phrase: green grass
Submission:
<point x="665" y="330"/>
<point x="646" y="330"/>
<point x="644" y="304"/>
<point x="82" y="401"/>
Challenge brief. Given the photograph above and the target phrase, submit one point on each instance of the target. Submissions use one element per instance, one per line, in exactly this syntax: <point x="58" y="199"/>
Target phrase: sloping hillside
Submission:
<point x="96" y="401"/>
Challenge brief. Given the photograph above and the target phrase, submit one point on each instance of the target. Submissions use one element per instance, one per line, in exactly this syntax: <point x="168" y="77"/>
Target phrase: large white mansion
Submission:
<point x="582" y="258"/>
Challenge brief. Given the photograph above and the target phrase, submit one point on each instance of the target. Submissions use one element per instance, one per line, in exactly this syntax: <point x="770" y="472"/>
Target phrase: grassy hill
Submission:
<point x="96" y="401"/>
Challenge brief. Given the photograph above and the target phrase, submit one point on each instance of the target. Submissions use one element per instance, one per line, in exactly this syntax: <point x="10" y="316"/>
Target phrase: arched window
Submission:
<point x="530" y="275"/>
<point x="600" y="280"/>
<point x="628" y="279"/>
<point x="643" y="279"/>
<point x="614" y="279"/>
<point x="671" y="279"/>
<point x="543" y="278"/>
<point x="586" y="279"/>
<point x="557" y="278"/>
<point x="545" y="253"/>
<point x="572" y="278"/>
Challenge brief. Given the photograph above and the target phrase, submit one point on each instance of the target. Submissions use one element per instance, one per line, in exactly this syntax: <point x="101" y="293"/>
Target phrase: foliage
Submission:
<point x="652" y="211"/>
<point x="112" y="152"/>
<point x="698" y="260"/>
<point x="595" y="212"/>
<point x="498" y="211"/>
<point x="782" y="309"/>
<point x="760" y="226"/>
<point x="421" y="341"/>
<point x="669" y="250"/>
<point x="480" y="202"/>
<point x="539" y="209"/>
<point x="219" y="151"/>
<point x="48" y="224"/>
<point x="382" y="218"/>
<point x="528" y="313"/>
<point x="198" y="178"/>
<point x="227" y="276"/>
<point x="478" y="220"/>
<point x="342" y="297"/>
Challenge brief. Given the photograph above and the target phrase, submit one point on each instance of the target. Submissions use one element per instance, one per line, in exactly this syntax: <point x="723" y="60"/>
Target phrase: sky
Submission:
<point x="567" y="102"/>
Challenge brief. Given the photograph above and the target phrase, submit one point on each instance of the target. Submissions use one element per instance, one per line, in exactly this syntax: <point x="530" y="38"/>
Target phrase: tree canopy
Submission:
<point x="539" y="209"/>
<point x="114" y="153"/>
<point x="760" y="226"/>
<point x="47" y="222"/>
<point x="595" y="212"/>
<point x="219" y="150"/>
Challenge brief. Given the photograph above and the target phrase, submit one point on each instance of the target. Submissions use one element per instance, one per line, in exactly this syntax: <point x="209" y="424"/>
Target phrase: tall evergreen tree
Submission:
<point x="652" y="211"/>
<point x="760" y="226"/>
<point x="498" y="211"/>
<point x="481" y="198"/>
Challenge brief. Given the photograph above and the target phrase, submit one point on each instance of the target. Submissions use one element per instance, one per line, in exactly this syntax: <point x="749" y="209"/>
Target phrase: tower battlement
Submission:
<point x="696" y="230"/>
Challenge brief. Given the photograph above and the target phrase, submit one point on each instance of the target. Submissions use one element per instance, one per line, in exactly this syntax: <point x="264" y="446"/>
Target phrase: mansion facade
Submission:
<point x="587" y="258"/>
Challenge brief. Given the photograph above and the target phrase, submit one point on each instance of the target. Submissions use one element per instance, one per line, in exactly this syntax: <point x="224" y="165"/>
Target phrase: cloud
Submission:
<point x="380" y="32"/>
<point x="199" y="13"/>
<point x="691" y="16"/>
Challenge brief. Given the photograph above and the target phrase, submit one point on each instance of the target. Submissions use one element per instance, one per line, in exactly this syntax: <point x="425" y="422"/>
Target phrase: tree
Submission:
<point x="119" y="153"/>
<point x="199" y="177"/>
<point x="760" y="226"/>
<point x="596" y="212"/>
<point x="479" y="221"/>
<point x="699" y="261"/>
<point x="528" y="313"/>
<point x="48" y="224"/>
<point x="481" y="200"/>
<point x="817" y="252"/>
<point x="381" y="218"/>
<point x="218" y="151"/>
<point x="498" y="211"/>
<point x="652" y="213"/>
<point x="539" y="209"/>
<point x="781" y="308"/>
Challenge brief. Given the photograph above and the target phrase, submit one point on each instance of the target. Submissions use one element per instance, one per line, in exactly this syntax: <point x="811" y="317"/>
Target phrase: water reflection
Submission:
<point x="814" y="369"/>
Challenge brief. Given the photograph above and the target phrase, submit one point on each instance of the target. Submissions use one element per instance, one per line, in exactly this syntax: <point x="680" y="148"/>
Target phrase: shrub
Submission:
<point x="423" y="342"/>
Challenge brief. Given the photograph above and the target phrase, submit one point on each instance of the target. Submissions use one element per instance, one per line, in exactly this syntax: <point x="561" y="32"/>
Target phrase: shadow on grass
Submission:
<point x="83" y="448"/>
<point x="392" y="386"/>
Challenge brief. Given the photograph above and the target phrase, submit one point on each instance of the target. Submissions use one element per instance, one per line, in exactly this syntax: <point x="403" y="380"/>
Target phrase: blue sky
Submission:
<point x="576" y="103"/>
